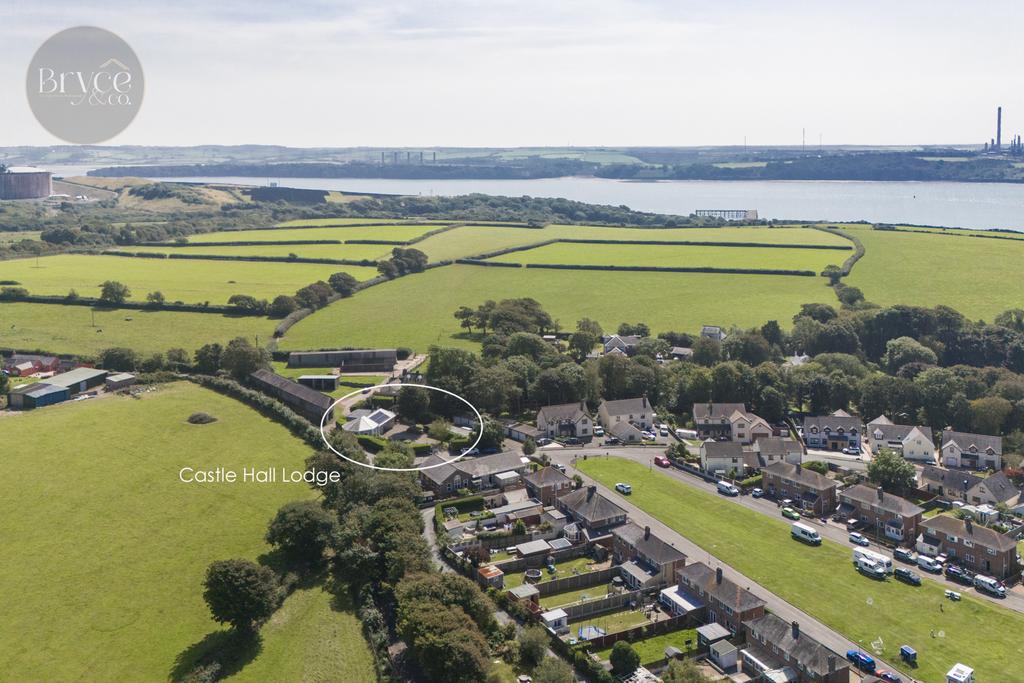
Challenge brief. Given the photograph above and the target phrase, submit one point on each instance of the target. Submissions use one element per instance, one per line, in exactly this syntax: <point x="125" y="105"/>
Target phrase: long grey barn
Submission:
<point x="305" y="401"/>
<point x="354" y="360"/>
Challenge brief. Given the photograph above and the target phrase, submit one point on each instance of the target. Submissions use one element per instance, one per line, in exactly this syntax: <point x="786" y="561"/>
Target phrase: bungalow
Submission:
<point x="810" y="490"/>
<point x="948" y="484"/>
<point x="307" y="402"/>
<point x="833" y="432"/>
<point x="591" y="511"/>
<point x="729" y="422"/>
<point x="885" y="514"/>
<point x="547" y="484"/>
<point x="646" y="560"/>
<point x="722" y="458"/>
<point x="566" y="419"/>
<point x="973" y="451"/>
<point x="727" y="603"/>
<point x="977" y="548"/>
<point x="624" y="343"/>
<point x="369" y="422"/>
<point x="774" y="644"/>
<point x="681" y="353"/>
<point x="912" y="442"/>
<point x="635" y="411"/>
<point x="444" y="478"/>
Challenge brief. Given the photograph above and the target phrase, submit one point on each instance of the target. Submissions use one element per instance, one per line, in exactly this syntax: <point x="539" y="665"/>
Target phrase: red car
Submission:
<point x="662" y="461"/>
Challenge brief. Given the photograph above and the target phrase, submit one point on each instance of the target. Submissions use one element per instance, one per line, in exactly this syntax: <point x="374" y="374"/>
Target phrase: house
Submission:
<point x="645" y="560"/>
<point x="24" y="364"/>
<point x="810" y="490"/>
<point x="772" y="644"/>
<point x="36" y="395"/>
<point x="445" y="478"/>
<point x="713" y="332"/>
<point x="625" y="432"/>
<point x="591" y="511"/>
<point x="121" y="380"/>
<point x="948" y="484"/>
<point x="547" y="484"/>
<point x="774" y="449"/>
<point x="722" y="458"/>
<point x="977" y="548"/>
<point x="911" y="441"/>
<point x="994" y="490"/>
<point x="566" y="419"/>
<point x="622" y="343"/>
<point x="635" y="411"/>
<point x="885" y="514"/>
<point x="833" y="432"/>
<point x="369" y="422"/>
<point x="973" y="451"/>
<point x="308" y="403"/>
<point x="681" y="353"/>
<point x="796" y="360"/>
<point x="320" y="382"/>
<point x="727" y="603"/>
<point x="349" y="360"/>
<point x="729" y="422"/>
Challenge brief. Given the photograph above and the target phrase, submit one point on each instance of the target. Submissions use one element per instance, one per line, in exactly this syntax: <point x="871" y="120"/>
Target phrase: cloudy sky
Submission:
<point x="543" y="72"/>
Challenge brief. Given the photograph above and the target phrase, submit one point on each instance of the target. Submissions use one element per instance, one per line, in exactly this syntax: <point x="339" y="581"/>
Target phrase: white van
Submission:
<point x="868" y="567"/>
<point x="990" y="585"/>
<point x="727" y="489"/>
<point x="878" y="558"/>
<point x="929" y="564"/>
<point x="802" y="532"/>
<point x="686" y="434"/>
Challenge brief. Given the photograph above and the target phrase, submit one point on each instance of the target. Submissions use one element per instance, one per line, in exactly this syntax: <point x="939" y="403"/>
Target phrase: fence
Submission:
<point x="521" y="563"/>
<point x="642" y="632"/>
<point x="593" y="608"/>
<point x="576" y="581"/>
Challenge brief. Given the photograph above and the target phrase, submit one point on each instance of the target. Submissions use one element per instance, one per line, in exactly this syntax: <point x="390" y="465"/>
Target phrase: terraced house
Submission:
<point x="833" y="432"/>
<point x="726" y="602"/>
<point x="975" y="547"/>
<point x="973" y="451"/>
<point x="773" y="646"/>
<point x="645" y="560"/>
<point x="810" y="490"/>
<point x="884" y="514"/>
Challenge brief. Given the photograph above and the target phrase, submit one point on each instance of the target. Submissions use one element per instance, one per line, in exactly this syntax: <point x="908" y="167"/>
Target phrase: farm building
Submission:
<point x="320" y="382"/>
<point x="305" y="401"/>
<point x="79" y="379"/>
<point x="120" y="381"/>
<point x="355" y="360"/>
<point x="36" y="395"/>
<point x="23" y="364"/>
<point x="24" y="182"/>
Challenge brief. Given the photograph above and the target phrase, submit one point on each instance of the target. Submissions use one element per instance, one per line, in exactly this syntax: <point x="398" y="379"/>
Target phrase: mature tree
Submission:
<point x="493" y="435"/>
<point x="529" y="446"/>
<point x="445" y="642"/>
<point x="553" y="670"/>
<point x="395" y="455"/>
<point x="533" y="644"/>
<point x="706" y="351"/>
<point x="177" y="358"/>
<point x="302" y="531"/>
<point x="241" y="358"/>
<point x="315" y="295"/>
<point x="120" y="359"/>
<point x="1012" y="319"/>
<point x="414" y="403"/>
<point x="563" y="384"/>
<point x="751" y="348"/>
<point x="849" y="296"/>
<point x="466" y="317"/>
<point x="773" y="333"/>
<point x="4" y="382"/>
<point x="590" y="327"/>
<point x="241" y="593"/>
<point x="381" y="542"/>
<point x="282" y="305"/>
<point x="156" y="299"/>
<point x="684" y="671"/>
<point x="440" y="430"/>
<point x="624" y="659"/>
<point x="208" y="358"/>
<point x="989" y="414"/>
<point x="938" y="389"/>
<point x="452" y="590"/>
<point x="152" y="363"/>
<point x="344" y="284"/>
<point x="890" y="471"/>
<point x="113" y="292"/>
<point x="582" y="343"/>
<point x="823" y="313"/>
<point x="904" y="350"/>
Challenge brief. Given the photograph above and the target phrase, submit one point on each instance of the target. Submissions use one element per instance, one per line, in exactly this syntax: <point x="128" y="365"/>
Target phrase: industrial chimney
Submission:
<point x="999" y="127"/>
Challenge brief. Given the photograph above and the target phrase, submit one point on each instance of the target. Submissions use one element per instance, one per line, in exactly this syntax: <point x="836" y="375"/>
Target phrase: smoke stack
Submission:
<point x="647" y="532"/>
<point x="796" y="629"/>
<point x="999" y="127"/>
<point x="591" y="490"/>
<point x="718" y="575"/>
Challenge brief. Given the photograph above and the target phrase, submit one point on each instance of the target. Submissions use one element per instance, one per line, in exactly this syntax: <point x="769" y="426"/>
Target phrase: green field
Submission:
<point x="104" y="549"/>
<point x="352" y="252"/>
<point x="399" y="233"/>
<point x="822" y="582"/>
<point x="678" y="256"/>
<point x="8" y="237"/>
<point x="299" y="222"/>
<point x="929" y="269"/>
<point x="187" y="281"/>
<point x="403" y="313"/>
<point x="69" y="329"/>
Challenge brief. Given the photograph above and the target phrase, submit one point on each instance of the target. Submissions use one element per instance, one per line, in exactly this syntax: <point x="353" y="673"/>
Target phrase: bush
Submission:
<point x="751" y="482"/>
<point x="201" y="418"/>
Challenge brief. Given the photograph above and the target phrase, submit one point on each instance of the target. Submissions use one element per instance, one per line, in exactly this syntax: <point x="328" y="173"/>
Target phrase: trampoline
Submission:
<point x="590" y="632"/>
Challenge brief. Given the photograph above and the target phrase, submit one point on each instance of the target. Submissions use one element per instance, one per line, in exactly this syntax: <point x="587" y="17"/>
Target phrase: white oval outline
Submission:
<point x="479" y="420"/>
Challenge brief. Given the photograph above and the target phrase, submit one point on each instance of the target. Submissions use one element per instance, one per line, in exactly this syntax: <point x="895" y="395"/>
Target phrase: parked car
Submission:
<point x="757" y="493"/>
<point x="663" y="431"/>
<point x="959" y="574"/>
<point x="905" y="555"/>
<point x="990" y="585"/>
<point x="571" y="441"/>
<point x="598" y="431"/>
<point x="952" y="595"/>
<point x="907" y="576"/>
<point x="624" y="489"/>
<point x="543" y="441"/>
<point x="662" y="461"/>
<point x="727" y="489"/>
<point x="649" y="436"/>
<point x="868" y="567"/>
<point x="787" y="502"/>
<point x="929" y="564"/>
<point x="888" y="676"/>
<point x="861" y="660"/>
<point x="790" y="513"/>
<point x="854" y="525"/>
<point x="471" y="451"/>
<point x="560" y="467"/>
<point x="612" y="441"/>
<point x="851" y="451"/>
<point x="858" y="539"/>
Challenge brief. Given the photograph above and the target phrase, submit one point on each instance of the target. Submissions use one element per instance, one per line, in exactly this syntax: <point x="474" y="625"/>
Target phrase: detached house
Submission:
<point x="810" y="490"/>
<point x="973" y="451"/>
<point x="729" y="422"/>
<point x="833" y="432"/>
<point x="566" y="419"/>
<point x="713" y="332"/>
<point x="912" y="442"/>
<point x="591" y="511"/>
<point x="624" y="343"/>
<point x="774" y="645"/>
<point x="722" y="458"/>
<point x="616" y="416"/>
<point x="470" y="473"/>
<point x="645" y="560"/>
<point x="977" y="548"/>
<point x="884" y="514"/>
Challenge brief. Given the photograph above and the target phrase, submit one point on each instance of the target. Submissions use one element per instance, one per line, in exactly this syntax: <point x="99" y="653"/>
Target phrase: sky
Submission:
<point x="515" y="73"/>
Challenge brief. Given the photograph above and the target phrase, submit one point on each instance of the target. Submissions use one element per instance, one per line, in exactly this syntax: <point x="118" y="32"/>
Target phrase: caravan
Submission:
<point x="802" y="532"/>
<point x="878" y="558"/>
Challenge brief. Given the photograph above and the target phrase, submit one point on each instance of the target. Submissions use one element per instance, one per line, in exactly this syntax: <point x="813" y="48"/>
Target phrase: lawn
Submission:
<point x="579" y="565"/>
<point x="106" y="549"/>
<point x="579" y="595"/>
<point x="179" y="280"/>
<point x="821" y="580"/>
<point x="919" y="269"/>
<point x="611" y="622"/>
<point x="399" y="233"/>
<point x="676" y="256"/>
<point x="401" y="313"/>
<point x="69" y="329"/>
<point x="652" y="650"/>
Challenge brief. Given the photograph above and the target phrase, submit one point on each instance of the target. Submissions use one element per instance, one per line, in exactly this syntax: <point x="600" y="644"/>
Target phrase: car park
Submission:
<point x="861" y="660"/>
<point x="858" y="539"/>
<point x="757" y="493"/>
<point x="907" y="576"/>
<point x="790" y="513"/>
<point x="905" y="555"/>
<point x="662" y="461"/>
<point x="929" y="564"/>
<point x="990" y="585"/>
<point x="959" y="574"/>
<point x="624" y="489"/>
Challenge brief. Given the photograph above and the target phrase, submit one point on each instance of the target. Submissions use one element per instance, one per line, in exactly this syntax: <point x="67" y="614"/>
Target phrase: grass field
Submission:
<point x="688" y="256"/>
<point x="822" y="582"/>
<point x="106" y="549"/>
<point x="187" y="281"/>
<point x="8" y="237"/>
<point x="299" y="222"/>
<point x="928" y="270"/>
<point x="399" y="233"/>
<point x="355" y="252"/>
<point x="402" y="313"/>
<point x="68" y="329"/>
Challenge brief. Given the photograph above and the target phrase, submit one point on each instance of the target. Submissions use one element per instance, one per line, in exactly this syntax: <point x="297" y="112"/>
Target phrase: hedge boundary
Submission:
<point x="858" y="247"/>
<point x="230" y="257"/>
<point x="237" y="243"/>
<point x="92" y="302"/>
<point x="653" y="269"/>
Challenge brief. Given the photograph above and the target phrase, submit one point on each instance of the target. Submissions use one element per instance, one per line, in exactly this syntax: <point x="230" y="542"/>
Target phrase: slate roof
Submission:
<point x="834" y="423"/>
<point x="564" y="411"/>
<point x="947" y="524"/>
<point x="627" y="406"/>
<point x="777" y="446"/>
<point x="1000" y="487"/>
<point x="965" y="440"/>
<point x="590" y="506"/>
<point x="805" y="650"/>
<point x="888" y="431"/>
<point x="722" y="449"/>
<point x="728" y="593"/>
<point x="546" y="476"/>
<point x="294" y="389"/>
<point x="716" y="411"/>
<point x="950" y="480"/>
<point x="889" y="502"/>
<point x="651" y="547"/>
<point x="804" y="476"/>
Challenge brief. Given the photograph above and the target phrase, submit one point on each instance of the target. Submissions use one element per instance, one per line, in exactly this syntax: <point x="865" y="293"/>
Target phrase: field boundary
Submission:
<point x="858" y="247"/>
<point x="649" y="269"/>
<point x="62" y="300"/>
<point x="234" y="257"/>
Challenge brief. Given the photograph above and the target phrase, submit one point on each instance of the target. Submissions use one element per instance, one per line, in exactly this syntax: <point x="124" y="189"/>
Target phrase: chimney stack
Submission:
<point x="796" y="629"/>
<point x="718" y="575"/>
<point x="647" y="532"/>
<point x="968" y="525"/>
<point x="831" y="664"/>
<point x="881" y="493"/>
<point x="591" y="490"/>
